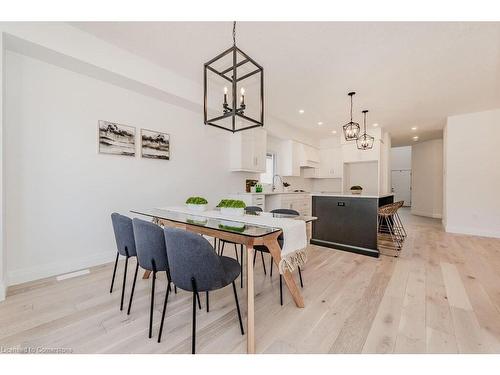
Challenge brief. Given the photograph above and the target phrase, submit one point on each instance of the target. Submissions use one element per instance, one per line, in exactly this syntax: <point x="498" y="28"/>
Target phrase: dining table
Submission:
<point x="241" y="232"/>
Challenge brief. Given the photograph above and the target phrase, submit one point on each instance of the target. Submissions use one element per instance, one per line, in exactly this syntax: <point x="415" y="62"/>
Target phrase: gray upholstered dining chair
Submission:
<point x="264" y="249"/>
<point x="152" y="256"/>
<point x="195" y="267"/>
<point x="125" y="246"/>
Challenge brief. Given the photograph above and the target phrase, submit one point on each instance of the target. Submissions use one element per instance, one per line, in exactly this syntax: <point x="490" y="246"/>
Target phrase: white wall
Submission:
<point x="60" y="191"/>
<point x="384" y="164"/>
<point x="472" y="174"/>
<point x="401" y="158"/>
<point x="365" y="174"/>
<point x="427" y="178"/>
<point x="2" y="161"/>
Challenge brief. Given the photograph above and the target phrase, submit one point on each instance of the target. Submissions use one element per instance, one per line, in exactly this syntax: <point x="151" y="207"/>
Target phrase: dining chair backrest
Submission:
<point x="124" y="234"/>
<point x="150" y="245"/>
<point x="253" y="209"/>
<point x="285" y="211"/>
<point x="191" y="256"/>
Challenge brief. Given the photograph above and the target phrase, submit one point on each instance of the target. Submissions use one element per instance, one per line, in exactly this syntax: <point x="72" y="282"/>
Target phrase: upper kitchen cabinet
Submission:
<point x="330" y="165"/>
<point x="248" y="151"/>
<point x="309" y="156"/>
<point x="289" y="158"/>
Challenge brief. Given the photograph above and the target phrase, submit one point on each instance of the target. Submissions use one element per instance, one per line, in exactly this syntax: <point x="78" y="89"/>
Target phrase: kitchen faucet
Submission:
<point x="274" y="178"/>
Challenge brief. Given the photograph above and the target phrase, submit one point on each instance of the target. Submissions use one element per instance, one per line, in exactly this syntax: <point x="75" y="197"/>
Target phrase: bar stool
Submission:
<point x="125" y="246"/>
<point x="386" y="224"/>
<point x="398" y="223"/>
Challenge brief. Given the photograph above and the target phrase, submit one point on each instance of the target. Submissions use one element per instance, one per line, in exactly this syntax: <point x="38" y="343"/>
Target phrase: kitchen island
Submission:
<point x="348" y="221"/>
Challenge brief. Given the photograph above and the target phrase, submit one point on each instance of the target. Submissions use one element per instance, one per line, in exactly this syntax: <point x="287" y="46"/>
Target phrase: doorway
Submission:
<point x="401" y="185"/>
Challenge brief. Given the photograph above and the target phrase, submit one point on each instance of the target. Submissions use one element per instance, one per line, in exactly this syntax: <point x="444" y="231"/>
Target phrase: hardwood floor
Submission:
<point x="442" y="295"/>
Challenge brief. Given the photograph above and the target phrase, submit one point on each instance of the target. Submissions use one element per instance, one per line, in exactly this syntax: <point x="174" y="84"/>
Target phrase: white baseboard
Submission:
<point x="3" y="290"/>
<point x="472" y="231"/>
<point x="57" y="268"/>
<point x="427" y="214"/>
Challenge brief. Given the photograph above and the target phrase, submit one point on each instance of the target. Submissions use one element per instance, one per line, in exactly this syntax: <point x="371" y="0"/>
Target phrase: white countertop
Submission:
<point x="277" y="192"/>
<point x="350" y="195"/>
<point x="325" y="194"/>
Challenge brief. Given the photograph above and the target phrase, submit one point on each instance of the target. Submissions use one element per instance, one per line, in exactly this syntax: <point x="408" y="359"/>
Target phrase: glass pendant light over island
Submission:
<point x="232" y="67"/>
<point x="365" y="141"/>
<point x="351" y="129"/>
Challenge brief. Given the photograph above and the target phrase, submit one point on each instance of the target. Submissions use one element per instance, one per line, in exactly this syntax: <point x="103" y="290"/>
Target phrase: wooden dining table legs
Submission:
<point x="250" y="303"/>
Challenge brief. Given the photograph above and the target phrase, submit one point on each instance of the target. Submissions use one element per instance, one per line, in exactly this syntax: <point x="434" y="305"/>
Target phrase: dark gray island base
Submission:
<point x="347" y="222"/>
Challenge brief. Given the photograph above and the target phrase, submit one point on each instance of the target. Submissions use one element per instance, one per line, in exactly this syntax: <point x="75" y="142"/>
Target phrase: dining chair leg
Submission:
<point x="238" y="308"/>
<point x="271" y="266"/>
<point x="124" y="283"/>
<point x="236" y="252"/>
<point x="254" y="256"/>
<point x="175" y="289"/>
<point x="193" y="334"/>
<point x="206" y="293"/>
<point x="152" y="305"/>
<point x="222" y="249"/>
<point x="241" y="266"/>
<point x="300" y="277"/>
<point x="133" y="288"/>
<point x="281" y="290"/>
<point x="198" y="298"/>
<point x="114" y="272"/>
<point x="163" y="312"/>
<point x="263" y="262"/>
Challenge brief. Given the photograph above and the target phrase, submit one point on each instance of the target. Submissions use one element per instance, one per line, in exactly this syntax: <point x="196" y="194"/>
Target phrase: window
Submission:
<point x="267" y="177"/>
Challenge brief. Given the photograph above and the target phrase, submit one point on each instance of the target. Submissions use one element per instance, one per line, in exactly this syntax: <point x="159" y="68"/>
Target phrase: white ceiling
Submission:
<point x="407" y="74"/>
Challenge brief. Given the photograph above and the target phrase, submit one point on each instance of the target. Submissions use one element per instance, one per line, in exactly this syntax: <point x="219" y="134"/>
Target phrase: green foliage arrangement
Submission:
<point x="356" y="187"/>
<point x="231" y="203"/>
<point x="196" y="200"/>
<point x="232" y="229"/>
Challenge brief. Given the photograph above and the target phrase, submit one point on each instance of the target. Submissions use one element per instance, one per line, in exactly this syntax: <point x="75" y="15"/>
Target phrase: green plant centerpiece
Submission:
<point x="196" y="203"/>
<point x="232" y="207"/>
<point x="356" y="189"/>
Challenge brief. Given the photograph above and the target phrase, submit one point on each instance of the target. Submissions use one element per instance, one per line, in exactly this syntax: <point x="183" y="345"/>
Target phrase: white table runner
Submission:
<point x="293" y="252"/>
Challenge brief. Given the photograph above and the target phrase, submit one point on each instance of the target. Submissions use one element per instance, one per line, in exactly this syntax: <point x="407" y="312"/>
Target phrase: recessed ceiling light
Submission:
<point x="414" y="128"/>
<point x="334" y="132"/>
<point x="301" y="111"/>
<point x="320" y="123"/>
<point x="375" y="125"/>
<point x="415" y="138"/>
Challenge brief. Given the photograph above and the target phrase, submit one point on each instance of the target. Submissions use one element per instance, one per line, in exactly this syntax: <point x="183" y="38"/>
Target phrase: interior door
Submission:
<point x="401" y="185"/>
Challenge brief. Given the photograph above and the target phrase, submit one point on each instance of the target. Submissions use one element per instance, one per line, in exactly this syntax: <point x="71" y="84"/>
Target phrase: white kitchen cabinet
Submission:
<point x="330" y="165"/>
<point x="309" y="156"/>
<point x="289" y="158"/>
<point x="248" y="151"/>
<point x="297" y="202"/>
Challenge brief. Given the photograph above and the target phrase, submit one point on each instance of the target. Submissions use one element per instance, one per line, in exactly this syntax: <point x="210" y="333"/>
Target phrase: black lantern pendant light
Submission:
<point x="351" y="129"/>
<point x="365" y="141"/>
<point x="227" y="108"/>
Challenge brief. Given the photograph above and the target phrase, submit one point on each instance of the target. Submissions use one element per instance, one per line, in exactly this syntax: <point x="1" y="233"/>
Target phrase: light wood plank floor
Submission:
<point x="442" y="295"/>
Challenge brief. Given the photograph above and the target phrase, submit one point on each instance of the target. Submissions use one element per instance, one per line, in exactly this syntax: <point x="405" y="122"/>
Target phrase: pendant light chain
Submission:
<point x="351" y="107"/>
<point x="234" y="33"/>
